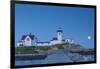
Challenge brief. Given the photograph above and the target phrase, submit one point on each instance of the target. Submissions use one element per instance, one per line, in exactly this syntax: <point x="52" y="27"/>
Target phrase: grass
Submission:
<point x="45" y="48"/>
<point x="25" y="50"/>
<point x="30" y="50"/>
<point x="59" y="46"/>
<point x="33" y="49"/>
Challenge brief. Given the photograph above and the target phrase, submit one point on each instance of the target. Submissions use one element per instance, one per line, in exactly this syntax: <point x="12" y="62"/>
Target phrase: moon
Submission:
<point x="89" y="37"/>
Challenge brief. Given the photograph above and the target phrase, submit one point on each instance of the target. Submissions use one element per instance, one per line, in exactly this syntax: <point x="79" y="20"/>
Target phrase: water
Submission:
<point x="29" y="62"/>
<point x="57" y="57"/>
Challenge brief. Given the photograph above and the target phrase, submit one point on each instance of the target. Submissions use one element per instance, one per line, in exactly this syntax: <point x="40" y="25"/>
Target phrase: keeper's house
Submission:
<point x="31" y="40"/>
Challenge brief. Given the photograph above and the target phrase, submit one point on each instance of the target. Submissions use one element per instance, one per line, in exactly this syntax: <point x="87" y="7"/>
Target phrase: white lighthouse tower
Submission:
<point x="59" y="35"/>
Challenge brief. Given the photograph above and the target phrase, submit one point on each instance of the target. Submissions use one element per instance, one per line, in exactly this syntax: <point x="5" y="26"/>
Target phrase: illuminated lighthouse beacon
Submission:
<point x="60" y="35"/>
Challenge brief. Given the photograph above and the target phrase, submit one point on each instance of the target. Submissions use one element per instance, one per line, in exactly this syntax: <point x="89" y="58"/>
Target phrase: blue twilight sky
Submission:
<point x="43" y="21"/>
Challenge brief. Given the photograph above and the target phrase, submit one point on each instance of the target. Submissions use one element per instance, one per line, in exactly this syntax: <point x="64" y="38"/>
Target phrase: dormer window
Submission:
<point x="28" y="39"/>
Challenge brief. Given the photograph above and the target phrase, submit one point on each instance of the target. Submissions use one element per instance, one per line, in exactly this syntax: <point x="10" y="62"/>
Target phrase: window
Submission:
<point x="28" y="39"/>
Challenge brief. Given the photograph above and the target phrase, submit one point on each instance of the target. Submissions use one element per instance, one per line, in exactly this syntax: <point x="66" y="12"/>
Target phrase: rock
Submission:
<point x="73" y="48"/>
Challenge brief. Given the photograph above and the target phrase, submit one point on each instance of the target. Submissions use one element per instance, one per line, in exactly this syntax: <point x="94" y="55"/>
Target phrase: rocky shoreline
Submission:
<point x="42" y="53"/>
<point x="30" y="56"/>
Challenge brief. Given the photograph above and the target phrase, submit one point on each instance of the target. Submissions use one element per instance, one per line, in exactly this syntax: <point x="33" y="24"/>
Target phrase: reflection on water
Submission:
<point x="58" y="57"/>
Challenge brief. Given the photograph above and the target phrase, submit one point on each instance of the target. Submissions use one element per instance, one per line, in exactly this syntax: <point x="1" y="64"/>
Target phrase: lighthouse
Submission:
<point x="59" y="35"/>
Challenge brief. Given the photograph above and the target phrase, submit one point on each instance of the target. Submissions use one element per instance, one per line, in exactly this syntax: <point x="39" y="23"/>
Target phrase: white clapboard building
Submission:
<point x="31" y="40"/>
